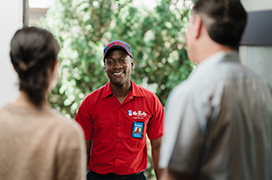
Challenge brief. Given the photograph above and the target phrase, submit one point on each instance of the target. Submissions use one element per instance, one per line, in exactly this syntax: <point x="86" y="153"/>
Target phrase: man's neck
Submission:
<point x="121" y="91"/>
<point x="213" y="49"/>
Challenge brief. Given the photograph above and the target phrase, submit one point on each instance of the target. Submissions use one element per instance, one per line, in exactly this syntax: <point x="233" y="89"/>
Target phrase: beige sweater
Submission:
<point x="40" y="145"/>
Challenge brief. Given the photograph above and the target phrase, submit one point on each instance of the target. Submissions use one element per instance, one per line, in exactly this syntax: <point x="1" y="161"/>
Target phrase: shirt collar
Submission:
<point x="107" y="92"/>
<point x="215" y="58"/>
<point x="219" y="56"/>
<point x="135" y="92"/>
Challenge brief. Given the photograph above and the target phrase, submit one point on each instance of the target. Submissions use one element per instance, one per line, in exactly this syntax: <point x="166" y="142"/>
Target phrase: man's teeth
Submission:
<point x="118" y="73"/>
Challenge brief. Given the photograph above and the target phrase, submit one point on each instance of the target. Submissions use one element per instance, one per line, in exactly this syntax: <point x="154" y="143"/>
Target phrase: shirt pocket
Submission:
<point x="104" y="131"/>
<point x="132" y="142"/>
<point x="145" y="120"/>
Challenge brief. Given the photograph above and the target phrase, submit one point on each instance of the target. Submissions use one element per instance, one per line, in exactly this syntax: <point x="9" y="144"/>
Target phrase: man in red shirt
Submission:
<point x="110" y="115"/>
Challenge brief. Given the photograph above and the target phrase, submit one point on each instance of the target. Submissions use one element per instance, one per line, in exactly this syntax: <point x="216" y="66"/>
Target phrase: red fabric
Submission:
<point x="108" y="123"/>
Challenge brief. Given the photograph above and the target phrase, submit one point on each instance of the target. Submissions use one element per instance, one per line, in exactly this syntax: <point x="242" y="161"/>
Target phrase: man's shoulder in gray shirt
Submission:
<point x="219" y="122"/>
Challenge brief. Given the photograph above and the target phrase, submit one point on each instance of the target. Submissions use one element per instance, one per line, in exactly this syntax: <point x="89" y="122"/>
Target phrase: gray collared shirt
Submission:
<point x="219" y="123"/>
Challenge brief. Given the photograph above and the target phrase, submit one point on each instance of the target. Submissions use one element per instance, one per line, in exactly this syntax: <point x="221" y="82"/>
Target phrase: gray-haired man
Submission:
<point x="219" y="121"/>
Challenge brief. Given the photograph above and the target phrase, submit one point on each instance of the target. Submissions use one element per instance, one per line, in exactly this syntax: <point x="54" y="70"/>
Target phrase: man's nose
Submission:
<point x="117" y="65"/>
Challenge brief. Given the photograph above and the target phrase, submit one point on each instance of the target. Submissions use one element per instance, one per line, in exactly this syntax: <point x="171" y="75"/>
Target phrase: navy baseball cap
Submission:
<point x="117" y="44"/>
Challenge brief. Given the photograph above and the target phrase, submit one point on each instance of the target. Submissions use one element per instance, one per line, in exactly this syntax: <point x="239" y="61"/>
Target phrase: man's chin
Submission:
<point x="117" y="83"/>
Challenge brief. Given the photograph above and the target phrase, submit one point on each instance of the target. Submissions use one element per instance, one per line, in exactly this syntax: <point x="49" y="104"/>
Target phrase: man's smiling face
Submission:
<point x="118" y="66"/>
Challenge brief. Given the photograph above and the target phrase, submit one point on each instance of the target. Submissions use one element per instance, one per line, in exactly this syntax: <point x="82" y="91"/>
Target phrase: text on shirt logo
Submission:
<point x="137" y="114"/>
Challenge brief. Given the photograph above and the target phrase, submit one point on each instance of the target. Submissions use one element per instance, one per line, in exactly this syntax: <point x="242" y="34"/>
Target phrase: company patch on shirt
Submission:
<point x="137" y="114"/>
<point x="137" y="130"/>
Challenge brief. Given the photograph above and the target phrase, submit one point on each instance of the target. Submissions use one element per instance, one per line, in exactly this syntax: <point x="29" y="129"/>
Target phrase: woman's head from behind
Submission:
<point x="34" y="54"/>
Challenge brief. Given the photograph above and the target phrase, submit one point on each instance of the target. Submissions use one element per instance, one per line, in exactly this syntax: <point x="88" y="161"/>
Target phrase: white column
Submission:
<point x="11" y="19"/>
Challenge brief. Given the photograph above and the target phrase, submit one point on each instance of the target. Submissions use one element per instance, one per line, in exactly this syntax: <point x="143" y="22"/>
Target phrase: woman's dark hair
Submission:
<point x="33" y="51"/>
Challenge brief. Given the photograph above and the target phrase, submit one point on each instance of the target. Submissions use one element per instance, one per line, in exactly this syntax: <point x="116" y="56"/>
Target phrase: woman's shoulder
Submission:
<point x="62" y="121"/>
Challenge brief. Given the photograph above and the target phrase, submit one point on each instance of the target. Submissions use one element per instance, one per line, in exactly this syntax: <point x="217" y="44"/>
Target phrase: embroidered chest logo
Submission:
<point x="137" y="114"/>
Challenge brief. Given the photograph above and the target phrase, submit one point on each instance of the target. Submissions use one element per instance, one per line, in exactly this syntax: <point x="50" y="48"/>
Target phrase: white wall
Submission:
<point x="257" y="5"/>
<point x="11" y="19"/>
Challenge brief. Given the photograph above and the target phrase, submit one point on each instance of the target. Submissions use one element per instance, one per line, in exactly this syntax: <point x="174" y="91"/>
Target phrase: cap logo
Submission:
<point x="116" y="43"/>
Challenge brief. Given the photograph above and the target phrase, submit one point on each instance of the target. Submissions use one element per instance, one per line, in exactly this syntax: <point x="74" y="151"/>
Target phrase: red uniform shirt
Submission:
<point x="111" y="125"/>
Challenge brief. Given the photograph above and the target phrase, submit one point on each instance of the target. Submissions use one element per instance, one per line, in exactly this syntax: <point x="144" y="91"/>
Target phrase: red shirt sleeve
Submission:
<point x="83" y="117"/>
<point x="155" y="125"/>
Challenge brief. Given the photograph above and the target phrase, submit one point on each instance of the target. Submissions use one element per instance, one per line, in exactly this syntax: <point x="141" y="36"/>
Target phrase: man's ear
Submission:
<point x="197" y="26"/>
<point x="132" y="63"/>
<point x="104" y="60"/>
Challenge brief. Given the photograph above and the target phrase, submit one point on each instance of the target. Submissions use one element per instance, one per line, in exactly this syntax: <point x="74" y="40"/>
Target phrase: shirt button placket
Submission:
<point x="118" y="137"/>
